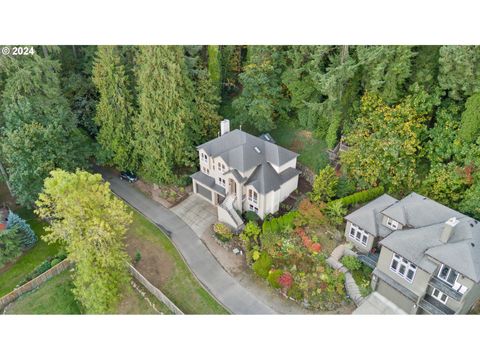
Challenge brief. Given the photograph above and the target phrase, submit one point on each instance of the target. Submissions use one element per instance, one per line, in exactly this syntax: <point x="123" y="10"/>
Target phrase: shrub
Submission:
<point x="295" y="292"/>
<point x="263" y="265"/>
<point x="280" y="223"/>
<point x="335" y="212"/>
<point x="138" y="256"/>
<point x="325" y="185"/>
<point x="361" y="196"/>
<point x="222" y="232"/>
<point x="273" y="278"/>
<point x="252" y="216"/>
<point x="10" y="244"/>
<point x="310" y="214"/>
<point x="345" y="187"/>
<point x="55" y="262"/>
<point x="250" y="234"/>
<point x="351" y="263"/>
<point x="286" y="280"/>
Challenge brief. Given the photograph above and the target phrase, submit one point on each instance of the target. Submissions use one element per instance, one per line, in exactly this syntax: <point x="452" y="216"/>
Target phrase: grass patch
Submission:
<point x="167" y="270"/>
<point x="53" y="297"/>
<point x="312" y="150"/>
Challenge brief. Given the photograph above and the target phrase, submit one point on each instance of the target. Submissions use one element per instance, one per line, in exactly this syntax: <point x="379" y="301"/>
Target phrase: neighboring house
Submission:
<point x="429" y="254"/>
<point x="240" y="172"/>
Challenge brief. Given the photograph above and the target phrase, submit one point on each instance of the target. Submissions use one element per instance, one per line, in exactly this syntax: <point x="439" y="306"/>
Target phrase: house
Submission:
<point x="429" y="261"/>
<point x="240" y="172"/>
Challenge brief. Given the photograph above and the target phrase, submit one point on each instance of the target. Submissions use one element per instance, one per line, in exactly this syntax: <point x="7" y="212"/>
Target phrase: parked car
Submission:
<point x="128" y="176"/>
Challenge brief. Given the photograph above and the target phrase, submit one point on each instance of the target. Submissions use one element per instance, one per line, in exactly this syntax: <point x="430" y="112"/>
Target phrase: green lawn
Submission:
<point x="175" y="279"/>
<point x="55" y="297"/>
<point x="312" y="150"/>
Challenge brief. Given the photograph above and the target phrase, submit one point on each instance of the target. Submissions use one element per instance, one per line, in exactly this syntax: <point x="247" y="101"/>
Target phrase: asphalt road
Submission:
<point x="200" y="260"/>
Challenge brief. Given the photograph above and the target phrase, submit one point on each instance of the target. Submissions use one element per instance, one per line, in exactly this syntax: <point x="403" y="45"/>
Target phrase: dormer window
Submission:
<point x="204" y="157"/>
<point x="448" y="275"/>
<point x="392" y="224"/>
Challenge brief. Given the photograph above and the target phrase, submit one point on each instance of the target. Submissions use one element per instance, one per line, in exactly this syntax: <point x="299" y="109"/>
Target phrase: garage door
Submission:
<point x="202" y="190"/>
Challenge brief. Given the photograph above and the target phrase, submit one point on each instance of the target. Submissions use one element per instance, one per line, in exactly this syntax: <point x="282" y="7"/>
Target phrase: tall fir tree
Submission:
<point x="161" y="142"/>
<point x="114" y="115"/>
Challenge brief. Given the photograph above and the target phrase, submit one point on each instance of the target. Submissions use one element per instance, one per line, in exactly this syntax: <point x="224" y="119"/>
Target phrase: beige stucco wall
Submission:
<point x="420" y="281"/>
<point x="287" y="188"/>
<point x="359" y="246"/>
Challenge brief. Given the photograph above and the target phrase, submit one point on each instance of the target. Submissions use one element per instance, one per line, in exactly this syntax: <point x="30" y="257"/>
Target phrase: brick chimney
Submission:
<point x="448" y="229"/>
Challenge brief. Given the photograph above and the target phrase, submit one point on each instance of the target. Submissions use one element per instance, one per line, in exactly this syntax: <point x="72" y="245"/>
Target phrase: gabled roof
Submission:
<point x="243" y="151"/>
<point x="264" y="179"/>
<point x="417" y="211"/>
<point x="369" y="217"/>
<point x="461" y="252"/>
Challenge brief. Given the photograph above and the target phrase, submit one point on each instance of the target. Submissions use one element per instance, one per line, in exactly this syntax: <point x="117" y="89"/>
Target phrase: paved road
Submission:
<point x="221" y="285"/>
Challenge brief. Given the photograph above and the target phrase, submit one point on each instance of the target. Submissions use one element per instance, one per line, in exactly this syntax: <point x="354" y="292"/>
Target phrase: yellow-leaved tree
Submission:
<point x="90" y="222"/>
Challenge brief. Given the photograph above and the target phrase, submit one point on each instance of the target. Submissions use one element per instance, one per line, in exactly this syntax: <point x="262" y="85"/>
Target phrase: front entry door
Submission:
<point x="232" y="186"/>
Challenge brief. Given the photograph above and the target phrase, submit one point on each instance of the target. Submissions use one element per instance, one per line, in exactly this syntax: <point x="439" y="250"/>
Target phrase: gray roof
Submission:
<point x="265" y="179"/>
<point x="417" y="211"/>
<point x="236" y="175"/>
<point x="369" y="217"/>
<point x="461" y="252"/>
<point x="208" y="181"/>
<point x="237" y="149"/>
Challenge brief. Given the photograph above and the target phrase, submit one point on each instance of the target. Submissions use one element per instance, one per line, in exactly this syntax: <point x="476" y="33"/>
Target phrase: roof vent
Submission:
<point x="471" y="225"/>
<point x="473" y="245"/>
<point x="448" y="229"/>
<point x="257" y="150"/>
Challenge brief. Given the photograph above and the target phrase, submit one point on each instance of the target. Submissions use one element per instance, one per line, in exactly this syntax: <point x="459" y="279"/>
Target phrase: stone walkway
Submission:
<point x="350" y="285"/>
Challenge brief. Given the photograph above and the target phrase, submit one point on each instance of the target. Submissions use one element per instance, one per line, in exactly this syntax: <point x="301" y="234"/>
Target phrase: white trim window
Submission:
<point x="221" y="182"/>
<point x="403" y="268"/>
<point x="447" y="275"/>
<point x="204" y="157"/>
<point x="440" y="296"/>
<point x="358" y="234"/>
<point x="253" y="208"/>
<point x="252" y="196"/>
<point x="221" y="166"/>
<point x="392" y="224"/>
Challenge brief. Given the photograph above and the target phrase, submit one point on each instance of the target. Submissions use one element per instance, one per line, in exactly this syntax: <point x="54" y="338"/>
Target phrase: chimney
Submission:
<point x="224" y="127"/>
<point x="448" y="229"/>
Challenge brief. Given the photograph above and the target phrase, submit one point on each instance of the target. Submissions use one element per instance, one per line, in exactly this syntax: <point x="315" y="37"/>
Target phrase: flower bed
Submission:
<point x="289" y="255"/>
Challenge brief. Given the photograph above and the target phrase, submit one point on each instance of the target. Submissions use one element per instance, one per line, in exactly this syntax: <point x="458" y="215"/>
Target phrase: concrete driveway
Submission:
<point x="226" y="289"/>
<point x="376" y="304"/>
<point x="197" y="213"/>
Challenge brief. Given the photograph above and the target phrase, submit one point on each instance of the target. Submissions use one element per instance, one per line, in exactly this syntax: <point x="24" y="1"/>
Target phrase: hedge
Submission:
<point x="361" y="197"/>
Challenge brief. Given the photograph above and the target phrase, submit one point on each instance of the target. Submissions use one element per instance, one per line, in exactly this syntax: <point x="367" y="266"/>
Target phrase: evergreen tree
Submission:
<point x="469" y="130"/>
<point x="459" y="72"/>
<point x="39" y="131"/>
<point x="214" y="68"/>
<point x="164" y="113"/>
<point x="114" y="110"/>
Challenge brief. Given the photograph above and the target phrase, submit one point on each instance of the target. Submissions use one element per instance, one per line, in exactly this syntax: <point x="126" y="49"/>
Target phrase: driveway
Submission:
<point x="197" y="213"/>
<point x="200" y="260"/>
<point x="376" y="304"/>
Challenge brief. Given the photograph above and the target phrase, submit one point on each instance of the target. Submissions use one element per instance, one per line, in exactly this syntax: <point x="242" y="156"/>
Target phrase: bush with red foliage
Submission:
<point x="285" y="280"/>
<point x="309" y="244"/>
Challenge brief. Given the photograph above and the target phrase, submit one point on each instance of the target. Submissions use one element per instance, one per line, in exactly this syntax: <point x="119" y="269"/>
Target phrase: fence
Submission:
<point x="155" y="291"/>
<point x="33" y="284"/>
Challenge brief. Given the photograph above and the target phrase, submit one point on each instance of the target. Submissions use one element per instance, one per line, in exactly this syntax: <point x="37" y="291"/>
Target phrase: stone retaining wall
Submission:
<point x="307" y="174"/>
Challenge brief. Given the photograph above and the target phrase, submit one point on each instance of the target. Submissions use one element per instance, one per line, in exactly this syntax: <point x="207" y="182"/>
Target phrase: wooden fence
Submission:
<point x="34" y="283"/>
<point x="155" y="291"/>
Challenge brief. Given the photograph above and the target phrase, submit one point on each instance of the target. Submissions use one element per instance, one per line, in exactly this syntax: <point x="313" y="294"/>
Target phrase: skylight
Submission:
<point x="257" y="149"/>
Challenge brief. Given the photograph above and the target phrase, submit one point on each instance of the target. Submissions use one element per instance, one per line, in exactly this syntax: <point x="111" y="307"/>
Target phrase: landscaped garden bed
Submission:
<point x="290" y="253"/>
<point x="167" y="195"/>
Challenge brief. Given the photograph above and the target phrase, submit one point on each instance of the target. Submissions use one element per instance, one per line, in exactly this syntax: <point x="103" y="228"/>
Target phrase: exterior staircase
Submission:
<point x="227" y="205"/>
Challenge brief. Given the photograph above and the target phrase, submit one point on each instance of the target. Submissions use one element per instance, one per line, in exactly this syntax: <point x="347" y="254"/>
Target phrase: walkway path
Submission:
<point x="350" y="285"/>
<point x="204" y="266"/>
